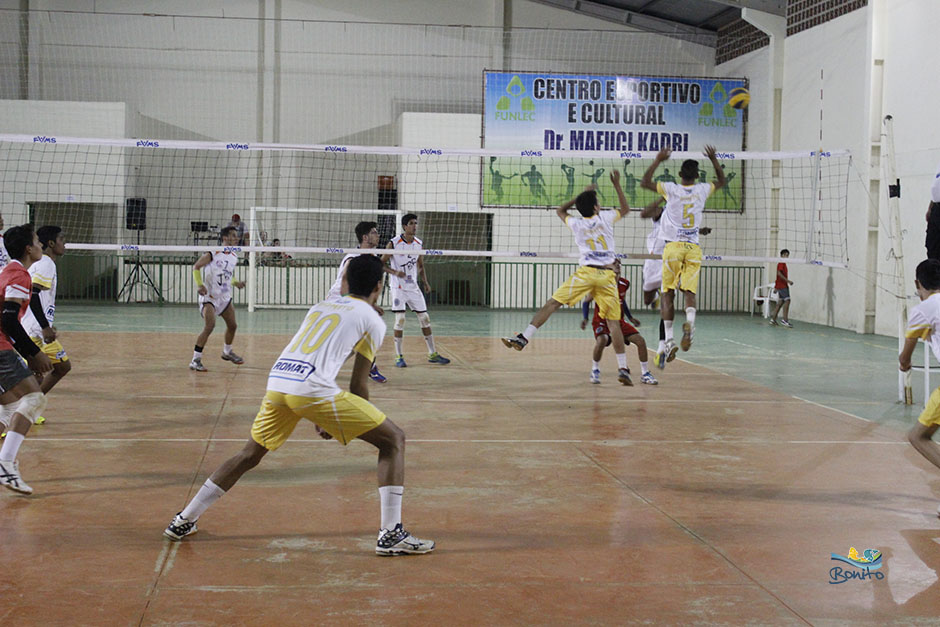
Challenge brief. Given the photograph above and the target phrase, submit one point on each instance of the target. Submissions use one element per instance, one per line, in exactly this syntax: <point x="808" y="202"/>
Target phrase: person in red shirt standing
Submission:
<point x="21" y="399"/>
<point x="630" y="335"/>
<point x="782" y="287"/>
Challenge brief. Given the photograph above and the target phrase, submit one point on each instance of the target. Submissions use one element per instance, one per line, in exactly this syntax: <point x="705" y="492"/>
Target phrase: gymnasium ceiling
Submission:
<point x="698" y="20"/>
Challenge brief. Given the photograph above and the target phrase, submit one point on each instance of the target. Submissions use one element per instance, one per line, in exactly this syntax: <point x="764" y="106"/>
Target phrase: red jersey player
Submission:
<point x="21" y="399"/>
<point x="630" y="334"/>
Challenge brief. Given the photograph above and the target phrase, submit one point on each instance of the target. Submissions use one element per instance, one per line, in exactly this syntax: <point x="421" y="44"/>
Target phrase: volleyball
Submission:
<point x="739" y="98"/>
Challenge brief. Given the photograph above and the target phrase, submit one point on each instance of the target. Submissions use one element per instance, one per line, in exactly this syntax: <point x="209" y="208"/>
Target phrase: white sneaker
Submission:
<point x="179" y="528"/>
<point x="10" y="477"/>
<point x="397" y="541"/>
<point x="196" y="365"/>
<point x="595" y="376"/>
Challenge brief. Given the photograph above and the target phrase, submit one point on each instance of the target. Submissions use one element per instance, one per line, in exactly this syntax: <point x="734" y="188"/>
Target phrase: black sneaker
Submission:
<point x="397" y="541"/>
<point x="519" y="342"/>
<point x="179" y="528"/>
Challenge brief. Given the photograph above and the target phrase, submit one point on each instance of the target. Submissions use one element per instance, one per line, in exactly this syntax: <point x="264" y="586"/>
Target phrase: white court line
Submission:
<point x="541" y="399"/>
<point x="805" y="400"/>
<point x="722" y="442"/>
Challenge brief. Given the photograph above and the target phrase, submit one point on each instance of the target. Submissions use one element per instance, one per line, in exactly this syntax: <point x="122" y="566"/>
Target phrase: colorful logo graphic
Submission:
<point x="718" y="102"/>
<point x="864" y="566"/>
<point x="516" y="91"/>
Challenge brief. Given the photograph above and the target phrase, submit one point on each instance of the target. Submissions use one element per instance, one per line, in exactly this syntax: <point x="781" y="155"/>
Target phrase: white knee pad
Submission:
<point x="6" y="415"/>
<point x="399" y="320"/>
<point x="31" y="405"/>
<point x="424" y="320"/>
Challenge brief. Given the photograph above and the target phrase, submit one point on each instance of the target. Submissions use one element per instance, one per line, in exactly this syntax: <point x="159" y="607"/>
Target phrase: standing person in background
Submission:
<point x="214" y="274"/>
<point x="405" y="290"/>
<point x="239" y="227"/>
<point x="782" y="287"/>
<point x="933" y="219"/>
<point x="38" y="319"/>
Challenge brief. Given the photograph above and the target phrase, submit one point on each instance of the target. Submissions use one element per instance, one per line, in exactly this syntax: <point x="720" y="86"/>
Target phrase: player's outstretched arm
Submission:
<point x="359" y="380"/>
<point x="654" y="209"/>
<point x="562" y="210"/>
<point x="711" y="153"/>
<point x="621" y="197"/>
<point x="201" y="263"/>
<point x="904" y="359"/>
<point x="647" y="181"/>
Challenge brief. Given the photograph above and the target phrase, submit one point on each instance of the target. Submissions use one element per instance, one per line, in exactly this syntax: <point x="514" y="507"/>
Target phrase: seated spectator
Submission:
<point x="276" y="258"/>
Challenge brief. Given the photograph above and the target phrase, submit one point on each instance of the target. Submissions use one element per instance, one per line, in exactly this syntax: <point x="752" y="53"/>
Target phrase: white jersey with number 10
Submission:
<point x="331" y="330"/>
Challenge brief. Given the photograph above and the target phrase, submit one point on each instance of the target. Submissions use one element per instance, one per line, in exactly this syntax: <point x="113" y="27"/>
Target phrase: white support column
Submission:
<point x="775" y="26"/>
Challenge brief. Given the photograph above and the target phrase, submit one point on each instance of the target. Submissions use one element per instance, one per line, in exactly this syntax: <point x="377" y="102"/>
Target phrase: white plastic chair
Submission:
<point x="764" y="294"/>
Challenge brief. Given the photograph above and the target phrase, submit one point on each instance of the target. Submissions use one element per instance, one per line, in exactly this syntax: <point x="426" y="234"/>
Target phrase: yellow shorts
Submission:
<point x="601" y="284"/>
<point x="681" y="261"/>
<point x="53" y="350"/>
<point x="931" y="414"/>
<point x="345" y="417"/>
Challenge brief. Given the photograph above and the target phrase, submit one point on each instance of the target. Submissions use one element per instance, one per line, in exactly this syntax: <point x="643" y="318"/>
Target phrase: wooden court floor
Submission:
<point x="705" y="500"/>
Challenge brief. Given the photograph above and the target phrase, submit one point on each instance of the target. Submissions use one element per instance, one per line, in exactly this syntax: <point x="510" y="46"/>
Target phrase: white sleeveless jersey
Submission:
<point x="4" y="255"/>
<point x="217" y="276"/>
<point x="337" y="286"/>
<point x="406" y="263"/>
<point x="923" y="322"/>
<point x="654" y="239"/>
<point x="331" y="331"/>
<point x="43" y="273"/>
<point x="685" y="205"/>
<point x="595" y="237"/>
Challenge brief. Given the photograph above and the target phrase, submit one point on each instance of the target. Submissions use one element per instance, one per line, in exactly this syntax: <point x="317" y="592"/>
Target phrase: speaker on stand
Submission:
<point x="135" y="219"/>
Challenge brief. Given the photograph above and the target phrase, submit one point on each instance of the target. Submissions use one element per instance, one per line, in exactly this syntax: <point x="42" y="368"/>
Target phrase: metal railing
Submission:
<point x="477" y="283"/>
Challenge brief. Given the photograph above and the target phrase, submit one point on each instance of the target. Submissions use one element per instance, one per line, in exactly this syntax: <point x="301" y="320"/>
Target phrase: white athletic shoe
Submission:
<point x="595" y="376"/>
<point x="10" y="478"/>
<point x="196" y="365"/>
<point x="179" y="528"/>
<point x="397" y="541"/>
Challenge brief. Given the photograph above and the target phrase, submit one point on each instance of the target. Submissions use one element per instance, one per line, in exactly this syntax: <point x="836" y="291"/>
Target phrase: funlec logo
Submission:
<point x="530" y="153"/>
<point x="236" y="146"/>
<point x="148" y="143"/>
<point x="630" y="155"/>
<point x="515" y="90"/>
<point x="526" y="253"/>
<point x="430" y="151"/>
<point x="433" y="252"/>
<point x="334" y="149"/>
<point x="42" y="139"/>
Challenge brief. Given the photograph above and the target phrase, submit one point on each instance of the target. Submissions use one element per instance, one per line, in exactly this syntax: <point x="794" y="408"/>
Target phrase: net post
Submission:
<point x="252" y="263"/>
<point x="890" y="175"/>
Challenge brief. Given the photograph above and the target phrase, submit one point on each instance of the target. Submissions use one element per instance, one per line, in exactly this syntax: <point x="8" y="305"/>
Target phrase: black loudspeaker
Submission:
<point x="135" y="214"/>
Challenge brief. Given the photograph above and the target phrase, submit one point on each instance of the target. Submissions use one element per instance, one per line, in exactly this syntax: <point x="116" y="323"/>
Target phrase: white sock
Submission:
<point x="662" y="346"/>
<point x="208" y="494"/>
<point x="197" y="355"/>
<point x="690" y="315"/>
<point x="529" y="331"/>
<point x="644" y="367"/>
<point x="595" y="365"/>
<point x="398" y="343"/>
<point x="621" y="360"/>
<point x="668" y="325"/>
<point x="226" y="349"/>
<point x="429" y="340"/>
<point x="11" y="446"/>
<point x="390" y="498"/>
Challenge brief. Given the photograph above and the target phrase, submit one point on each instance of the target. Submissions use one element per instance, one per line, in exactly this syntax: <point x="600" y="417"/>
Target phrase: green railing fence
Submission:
<point x="478" y="283"/>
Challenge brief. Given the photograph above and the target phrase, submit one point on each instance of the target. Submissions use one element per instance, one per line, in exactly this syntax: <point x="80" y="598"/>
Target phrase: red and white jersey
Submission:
<point x="15" y="282"/>
<point x="406" y="263"/>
